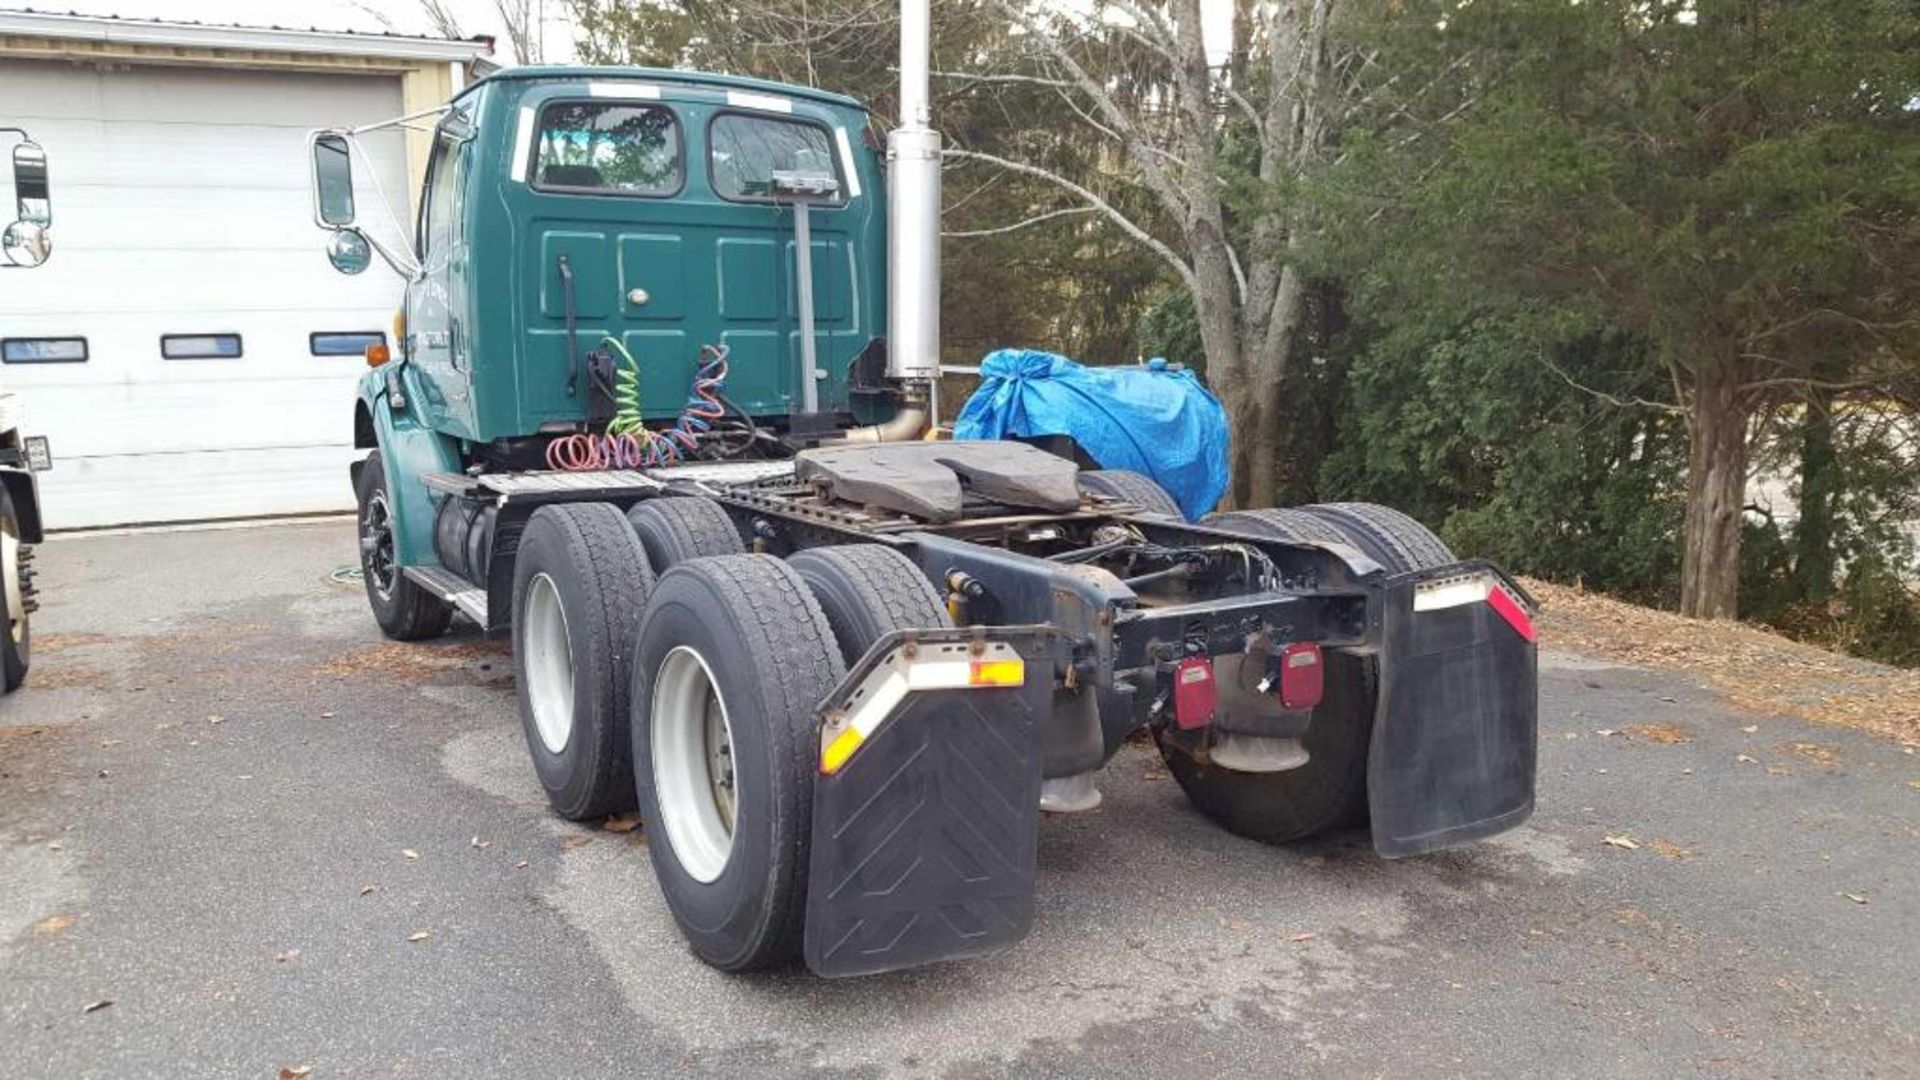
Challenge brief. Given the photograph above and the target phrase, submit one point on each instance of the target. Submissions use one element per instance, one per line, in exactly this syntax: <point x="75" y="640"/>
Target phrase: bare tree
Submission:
<point x="523" y="29"/>
<point x="1166" y="110"/>
<point x="440" y="18"/>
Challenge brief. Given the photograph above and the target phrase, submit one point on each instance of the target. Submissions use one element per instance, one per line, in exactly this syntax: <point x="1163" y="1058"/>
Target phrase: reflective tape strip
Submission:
<point x="1451" y="594"/>
<point x="1508" y="608"/>
<point x="846" y="162"/>
<point x="740" y="99"/>
<point x="631" y="91"/>
<point x="522" y="145"/>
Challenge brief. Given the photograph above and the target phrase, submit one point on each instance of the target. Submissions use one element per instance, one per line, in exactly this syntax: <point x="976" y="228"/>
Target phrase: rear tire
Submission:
<point x="1388" y="536"/>
<point x="404" y="610"/>
<point x="868" y="591"/>
<point x="1139" y="489"/>
<point x="739" y="636"/>
<point x="16" y="632"/>
<point x="1276" y="524"/>
<point x="1328" y="792"/>
<point x="579" y="582"/>
<point x="677" y="528"/>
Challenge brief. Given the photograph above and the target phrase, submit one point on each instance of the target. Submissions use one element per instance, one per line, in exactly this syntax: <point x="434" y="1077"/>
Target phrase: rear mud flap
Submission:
<point x="1456" y="733"/>
<point x="923" y="843"/>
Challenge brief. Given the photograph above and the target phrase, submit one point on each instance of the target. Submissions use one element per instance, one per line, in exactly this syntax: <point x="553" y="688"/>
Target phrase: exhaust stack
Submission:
<point x="913" y="211"/>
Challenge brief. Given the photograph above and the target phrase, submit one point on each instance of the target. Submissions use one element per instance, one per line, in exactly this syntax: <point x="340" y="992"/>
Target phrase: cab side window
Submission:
<point x="605" y="148"/>
<point x="443" y="196"/>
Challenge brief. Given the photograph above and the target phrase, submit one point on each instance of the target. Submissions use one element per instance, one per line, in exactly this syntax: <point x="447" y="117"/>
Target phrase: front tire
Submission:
<point x="731" y="648"/>
<point x="16" y="632"/>
<point x="579" y="582"/>
<point x="404" y="610"/>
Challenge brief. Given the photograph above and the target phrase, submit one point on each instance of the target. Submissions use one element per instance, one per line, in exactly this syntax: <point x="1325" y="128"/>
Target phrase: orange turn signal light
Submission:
<point x="839" y="750"/>
<point x="378" y="353"/>
<point x="997" y="673"/>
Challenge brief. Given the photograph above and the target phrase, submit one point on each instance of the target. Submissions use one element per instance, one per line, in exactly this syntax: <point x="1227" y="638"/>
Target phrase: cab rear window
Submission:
<point x="608" y="148"/>
<point x="746" y="151"/>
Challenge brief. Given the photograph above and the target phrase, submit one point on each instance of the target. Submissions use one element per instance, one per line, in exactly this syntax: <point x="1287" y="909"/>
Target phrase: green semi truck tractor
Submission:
<point x="658" y="407"/>
<point x="25" y="243"/>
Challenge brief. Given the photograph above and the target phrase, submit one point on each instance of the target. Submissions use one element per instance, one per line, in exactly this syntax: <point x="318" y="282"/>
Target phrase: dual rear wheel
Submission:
<point x="664" y="669"/>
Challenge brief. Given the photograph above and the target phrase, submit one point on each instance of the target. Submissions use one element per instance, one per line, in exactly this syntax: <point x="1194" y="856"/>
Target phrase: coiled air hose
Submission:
<point x="628" y="443"/>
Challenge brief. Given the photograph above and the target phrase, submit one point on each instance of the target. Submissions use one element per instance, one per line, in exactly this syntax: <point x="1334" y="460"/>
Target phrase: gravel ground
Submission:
<point x="273" y="841"/>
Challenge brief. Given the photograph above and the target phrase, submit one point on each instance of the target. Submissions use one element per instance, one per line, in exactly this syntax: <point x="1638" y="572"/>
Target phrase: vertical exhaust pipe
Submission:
<point x="913" y="211"/>
<point x="913" y="241"/>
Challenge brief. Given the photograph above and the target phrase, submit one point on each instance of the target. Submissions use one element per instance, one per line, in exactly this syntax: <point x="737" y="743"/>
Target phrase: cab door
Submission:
<point x="437" y="315"/>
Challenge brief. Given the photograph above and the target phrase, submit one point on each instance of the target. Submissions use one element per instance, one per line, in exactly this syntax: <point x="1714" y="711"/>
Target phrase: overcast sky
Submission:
<point x="476" y="16"/>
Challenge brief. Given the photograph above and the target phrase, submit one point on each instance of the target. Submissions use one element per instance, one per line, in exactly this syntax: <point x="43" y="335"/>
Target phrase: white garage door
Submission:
<point x="183" y="236"/>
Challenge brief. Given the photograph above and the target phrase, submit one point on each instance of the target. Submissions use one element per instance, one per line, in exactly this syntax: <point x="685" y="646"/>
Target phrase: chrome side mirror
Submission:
<point x="29" y="240"/>
<point x="349" y="251"/>
<point x="332" y="181"/>
<point x="30" y="184"/>
<point x="26" y="243"/>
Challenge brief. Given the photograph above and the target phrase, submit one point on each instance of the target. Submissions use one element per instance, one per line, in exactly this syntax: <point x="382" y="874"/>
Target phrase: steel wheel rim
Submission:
<point x="376" y="545"/>
<point x="10" y="582"/>
<point x="693" y="771"/>
<point x="548" y="661"/>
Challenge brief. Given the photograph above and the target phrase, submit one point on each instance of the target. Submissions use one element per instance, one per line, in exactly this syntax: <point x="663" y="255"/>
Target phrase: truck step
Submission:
<point x="452" y="588"/>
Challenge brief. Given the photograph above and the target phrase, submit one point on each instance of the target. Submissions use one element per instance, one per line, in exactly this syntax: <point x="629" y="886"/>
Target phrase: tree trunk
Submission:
<point x="1716" y="494"/>
<point x="1269" y="347"/>
<point x="1213" y="307"/>
<point x="1813" y="561"/>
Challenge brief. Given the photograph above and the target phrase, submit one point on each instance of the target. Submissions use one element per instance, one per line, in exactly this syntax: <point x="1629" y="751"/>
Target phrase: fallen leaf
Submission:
<point x="480" y="844"/>
<point x="572" y="842"/>
<point x="367" y="890"/>
<point x="1300" y="937"/>
<point x="287" y="957"/>
<point x="1627" y="842"/>
<point x="96" y="1006"/>
<point x="1314" y="862"/>
<point x="420" y="935"/>
<point x="1914" y="784"/>
<point x="1669" y="849"/>
<point x="295" y="1072"/>
<point x="1819" y="753"/>
<point x="1751" y="728"/>
<point x="621" y="823"/>
<point x="410" y="853"/>
<point x="1665" y="734"/>
<point x="1779" y="770"/>
<point x="1233" y="924"/>
<point x="53" y="924"/>
<point x="1858" y="898"/>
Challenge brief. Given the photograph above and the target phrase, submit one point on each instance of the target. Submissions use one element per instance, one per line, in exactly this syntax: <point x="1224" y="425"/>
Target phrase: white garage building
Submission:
<point x="188" y="349"/>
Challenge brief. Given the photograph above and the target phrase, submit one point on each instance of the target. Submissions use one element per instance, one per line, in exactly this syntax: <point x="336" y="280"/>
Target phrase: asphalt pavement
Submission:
<point x="242" y="833"/>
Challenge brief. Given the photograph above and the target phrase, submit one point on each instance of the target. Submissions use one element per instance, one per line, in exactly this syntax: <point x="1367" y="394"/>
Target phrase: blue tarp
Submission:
<point x="1155" y="419"/>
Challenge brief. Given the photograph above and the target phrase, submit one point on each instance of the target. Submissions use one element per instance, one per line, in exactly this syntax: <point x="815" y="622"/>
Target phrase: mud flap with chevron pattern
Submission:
<point x="923" y="845"/>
